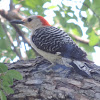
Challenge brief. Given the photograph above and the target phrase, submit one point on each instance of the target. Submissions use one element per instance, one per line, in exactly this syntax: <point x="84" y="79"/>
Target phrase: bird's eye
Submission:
<point x="29" y="19"/>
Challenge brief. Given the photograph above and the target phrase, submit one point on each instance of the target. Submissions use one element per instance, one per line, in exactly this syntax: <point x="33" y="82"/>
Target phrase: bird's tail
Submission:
<point x="87" y="60"/>
<point x="85" y="68"/>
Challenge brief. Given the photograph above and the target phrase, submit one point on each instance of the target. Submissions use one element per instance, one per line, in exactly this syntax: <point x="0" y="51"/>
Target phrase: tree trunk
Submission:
<point x="54" y="85"/>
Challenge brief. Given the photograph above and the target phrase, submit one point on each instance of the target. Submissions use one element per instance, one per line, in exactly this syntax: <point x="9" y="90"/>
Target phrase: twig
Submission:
<point x="9" y="16"/>
<point x="15" y="49"/>
<point x="18" y="9"/>
<point x="11" y="5"/>
<point x="77" y="38"/>
<point x="11" y="41"/>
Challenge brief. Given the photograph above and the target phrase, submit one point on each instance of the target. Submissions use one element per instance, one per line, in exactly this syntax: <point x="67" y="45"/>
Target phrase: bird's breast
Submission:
<point x="49" y="56"/>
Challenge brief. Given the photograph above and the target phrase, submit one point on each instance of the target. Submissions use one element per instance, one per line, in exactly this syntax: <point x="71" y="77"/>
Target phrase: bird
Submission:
<point x="54" y="44"/>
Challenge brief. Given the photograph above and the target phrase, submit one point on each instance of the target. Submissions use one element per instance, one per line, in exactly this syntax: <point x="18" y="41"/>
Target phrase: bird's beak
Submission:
<point x="17" y="22"/>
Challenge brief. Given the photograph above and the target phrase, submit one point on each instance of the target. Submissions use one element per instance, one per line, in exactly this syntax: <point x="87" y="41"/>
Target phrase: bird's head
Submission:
<point x="32" y="22"/>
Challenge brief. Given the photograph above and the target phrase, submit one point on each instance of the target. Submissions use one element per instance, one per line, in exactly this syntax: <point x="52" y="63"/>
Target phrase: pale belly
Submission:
<point x="50" y="57"/>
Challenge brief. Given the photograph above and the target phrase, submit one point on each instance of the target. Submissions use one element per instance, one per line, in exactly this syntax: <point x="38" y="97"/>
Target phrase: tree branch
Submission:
<point x="10" y="15"/>
<point x="55" y="85"/>
<point x="11" y="5"/>
<point x="15" y="49"/>
<point x="79" y="39"/>
<point x="11" y="41"/>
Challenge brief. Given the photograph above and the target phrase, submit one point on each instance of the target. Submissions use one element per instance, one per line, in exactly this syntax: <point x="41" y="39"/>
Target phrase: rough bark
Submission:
<point x="54" y="85"/>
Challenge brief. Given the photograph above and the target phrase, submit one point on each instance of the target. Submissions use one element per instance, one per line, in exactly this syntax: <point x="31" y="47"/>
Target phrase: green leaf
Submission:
<point x="3" y="68"/>
<point x="88" y="49"/>
<point x="74" y="17"/>
<point x="52" y="7"/>
<point x="75" y="28"/>
<point x="2" y="95"/>
<point x="5" y="83"/>
<point x="93" y="39"/>
<point x="75" y="32"/>
<point x="16" y="1"/>
<point x="96" y="7"/>
<point x="86" y="5"/>
<point x="7" y="79"/>
<point x="8" y="90"/>
<point x="89" y="16"/>
<point x="31" y="54"/>
<point x="89" y="30"/>
<point x="92" y="21"/>
<point x="14" y="74"/>
<point x="4" y="43"/>
<point x="60" y="19"/>
<point x="1" y="30"/>
<point x="34" y="5"/>
<point x="84" y="8"/>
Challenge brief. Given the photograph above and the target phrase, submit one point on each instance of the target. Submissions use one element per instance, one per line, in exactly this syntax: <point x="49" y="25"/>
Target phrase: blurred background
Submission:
<point x="79" y="18"/>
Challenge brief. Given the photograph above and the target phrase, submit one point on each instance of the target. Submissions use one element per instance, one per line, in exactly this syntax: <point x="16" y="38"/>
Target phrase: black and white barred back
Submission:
<point x="53" y="40"/>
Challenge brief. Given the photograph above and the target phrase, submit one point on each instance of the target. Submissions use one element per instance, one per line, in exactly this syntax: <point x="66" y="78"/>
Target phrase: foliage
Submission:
<point x="6" y="80"/>
<point x="92" y="21"/>
<point x="81" y="18"/>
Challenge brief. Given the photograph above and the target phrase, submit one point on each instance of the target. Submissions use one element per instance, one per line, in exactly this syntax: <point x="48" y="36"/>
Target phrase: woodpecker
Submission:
<point x="54" y="44"/>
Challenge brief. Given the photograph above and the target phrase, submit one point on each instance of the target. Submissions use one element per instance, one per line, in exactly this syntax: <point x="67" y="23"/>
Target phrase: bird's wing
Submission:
<point x="53" y="40"/>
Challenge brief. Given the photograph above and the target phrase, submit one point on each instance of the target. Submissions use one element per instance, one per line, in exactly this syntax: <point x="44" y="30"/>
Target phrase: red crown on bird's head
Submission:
<point x="44" y="21"/>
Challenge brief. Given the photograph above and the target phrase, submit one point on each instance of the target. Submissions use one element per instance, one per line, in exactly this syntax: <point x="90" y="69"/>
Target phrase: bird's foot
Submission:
<point x="47" y="69"/>
<point x="63" y="70"/>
